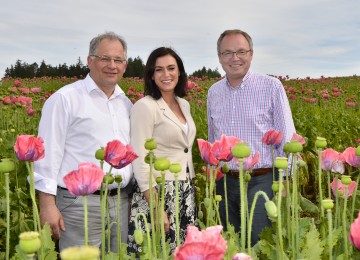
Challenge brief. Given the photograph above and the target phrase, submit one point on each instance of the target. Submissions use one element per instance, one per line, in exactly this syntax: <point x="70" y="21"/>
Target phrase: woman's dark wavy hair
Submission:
<point x="150" y="87"/>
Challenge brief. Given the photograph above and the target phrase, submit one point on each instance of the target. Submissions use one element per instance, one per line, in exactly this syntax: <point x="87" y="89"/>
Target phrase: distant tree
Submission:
<point x="135" y="68"/>
<point x="206" y="72"/>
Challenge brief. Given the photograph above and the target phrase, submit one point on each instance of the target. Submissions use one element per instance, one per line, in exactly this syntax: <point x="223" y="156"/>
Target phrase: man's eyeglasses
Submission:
<point x="230" y="54"/>
<point x="106" y="59"/>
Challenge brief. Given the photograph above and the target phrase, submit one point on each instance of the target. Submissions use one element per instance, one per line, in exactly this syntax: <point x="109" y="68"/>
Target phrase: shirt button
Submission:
<point x="186" y="150"/>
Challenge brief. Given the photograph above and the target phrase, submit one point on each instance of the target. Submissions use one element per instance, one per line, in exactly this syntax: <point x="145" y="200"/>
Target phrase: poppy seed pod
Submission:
<point x="327" y="203"/>
<point x="161" y="164"/>
<point x="241" y="150"/>
<point x="6" y="165"/>
<point x="158" y="180"/>
<point x="294" y="146"/>
<point x="225" y="168"/>
<point x="80" y="253"/>
<point x="345" y="179"/>
<point x="108" y="178"/>
<point x="218" y="198"/>
<point x="118" y="178"/>
<point x="281" y="162"/>
<point x="175" y="168"/>
<point x="29" y="242"/>
<point x="320" y="143"/>
<point x="100" y="153"/>
<point x="200" y="214"/>
<point x="150" y="144"/>
<point x="275" y="186"/>
<point x="147" y="158"/>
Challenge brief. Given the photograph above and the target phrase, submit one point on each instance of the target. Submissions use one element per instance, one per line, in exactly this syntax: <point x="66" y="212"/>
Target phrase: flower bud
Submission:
<point x="247" y="177"/>
<point x="200" y="214"/>
<point x="271" y="209"/>
<point x="139" y="238"/>
<point x="286" y="147"/>
<point x="29" y="242"/>
<point x="294" y="146"/>
<point x="225" y="168"/>
<point x="281" y="162"/>
<point x="6" y="165"/>
<point x="118" y="179"/>
<point x="345" y="179"/>
<point x="207" y="202"/>
<point x="241" y="150"/>
<point x="218" y="198"/>
<point x="357" y="152"/>
<point x="161" y="164"/>
<point x="147" y="158"/>
<point x="320" y="142"/>
<point x="327" y="203"/>
<point x="150" y="144"/>
<point x="108" y="178"/>
<point x="100" y="153"/>
<point x="175" y="168"/>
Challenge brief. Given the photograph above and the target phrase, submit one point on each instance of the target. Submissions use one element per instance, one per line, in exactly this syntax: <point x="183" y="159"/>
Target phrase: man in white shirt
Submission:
<point x="77" y="120"/>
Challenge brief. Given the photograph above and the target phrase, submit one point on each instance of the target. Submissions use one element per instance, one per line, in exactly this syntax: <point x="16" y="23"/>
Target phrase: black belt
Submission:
<point x="255" y="172"/>
<point x="112" y="192"/>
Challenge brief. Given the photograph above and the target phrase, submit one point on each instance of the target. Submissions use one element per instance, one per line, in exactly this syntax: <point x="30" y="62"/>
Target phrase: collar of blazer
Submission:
<point x="170" y="114"/>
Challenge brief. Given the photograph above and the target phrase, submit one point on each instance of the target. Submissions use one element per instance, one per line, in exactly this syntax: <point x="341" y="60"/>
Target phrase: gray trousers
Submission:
<point x="72" y="210"/>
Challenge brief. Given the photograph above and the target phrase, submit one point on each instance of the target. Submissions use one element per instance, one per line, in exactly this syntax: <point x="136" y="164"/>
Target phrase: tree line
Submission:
<point x="135" y="68"/>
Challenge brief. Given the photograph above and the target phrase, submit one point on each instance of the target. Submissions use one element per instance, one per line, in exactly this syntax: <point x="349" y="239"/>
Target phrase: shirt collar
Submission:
<point x="247" y="76"/>
<point x="92" y="86"/>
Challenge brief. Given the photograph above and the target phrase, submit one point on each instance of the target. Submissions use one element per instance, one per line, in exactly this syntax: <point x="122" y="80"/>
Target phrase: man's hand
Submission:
<point x="50" y="214"/>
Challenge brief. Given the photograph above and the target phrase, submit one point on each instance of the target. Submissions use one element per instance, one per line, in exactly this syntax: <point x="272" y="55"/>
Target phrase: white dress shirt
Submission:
<point x="77" y="120"/>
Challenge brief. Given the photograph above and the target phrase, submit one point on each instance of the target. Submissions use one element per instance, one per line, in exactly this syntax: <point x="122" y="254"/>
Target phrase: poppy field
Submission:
<point x="314" y="215"/>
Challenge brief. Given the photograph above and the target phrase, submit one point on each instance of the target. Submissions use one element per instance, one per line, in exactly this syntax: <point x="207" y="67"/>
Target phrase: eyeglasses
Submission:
<point x="230" y="54"/>
<point x="106" y="59"/>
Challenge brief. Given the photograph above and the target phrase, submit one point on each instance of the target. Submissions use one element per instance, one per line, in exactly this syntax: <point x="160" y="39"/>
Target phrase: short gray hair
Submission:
<point x="94" y="43"/>
<point x="231" y="32"/>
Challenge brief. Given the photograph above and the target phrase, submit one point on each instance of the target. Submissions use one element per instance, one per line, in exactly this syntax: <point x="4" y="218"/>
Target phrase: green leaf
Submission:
<point x="307" y="205"/>
<point x="312" y="248"/>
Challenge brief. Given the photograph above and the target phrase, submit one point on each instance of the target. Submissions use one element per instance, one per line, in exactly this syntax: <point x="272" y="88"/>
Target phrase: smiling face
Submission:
<point x="235" y="67"/>
<point x="107" y="74"/>
<point x="166" y="74"/>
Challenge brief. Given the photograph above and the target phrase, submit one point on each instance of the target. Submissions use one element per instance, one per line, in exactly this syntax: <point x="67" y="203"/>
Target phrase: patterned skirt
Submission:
<point x="187" y="213"/>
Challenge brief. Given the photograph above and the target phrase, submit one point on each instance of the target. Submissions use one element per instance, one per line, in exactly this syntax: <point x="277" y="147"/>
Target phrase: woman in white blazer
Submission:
<point x="164" y="115"/>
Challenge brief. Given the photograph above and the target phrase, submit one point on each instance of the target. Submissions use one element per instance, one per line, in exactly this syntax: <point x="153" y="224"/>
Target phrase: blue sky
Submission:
<point x="298" y="38"/>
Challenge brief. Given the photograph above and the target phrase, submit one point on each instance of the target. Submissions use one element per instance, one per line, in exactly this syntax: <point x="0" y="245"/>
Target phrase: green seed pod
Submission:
<point x="281" y="162"/>
<point x="271" y="209"/>
<point x="275" y="186"/>
<point x="294" y="146"/>
<point x="225" y="168"/>
<point x="139" y="238"/>
<point x="158" y="179"/>
<point x="345" y="179"/>
<point x="320" y="143"/>
<point x="357" y="151"/>
<point x="241" y="150"/>
<point x="286" y="148"/>
<point x="29" y="242"/>
<point x="218" y="198"/>
<point x="6" y="165"/>
<point x="327" y="203"/>
<point x="100" y="153"/>
<point x="118" y="179"/>
<point x="147" y="158"/>
<point x="247" y="177"/>
<point x="175" y="168"/>
<point x="150" y="144"/>
<point x="108" y="178"/>
<point x="161" y="164"/>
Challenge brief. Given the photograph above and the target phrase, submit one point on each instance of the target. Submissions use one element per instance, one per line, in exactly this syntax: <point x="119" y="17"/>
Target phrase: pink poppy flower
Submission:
<point x="350" y="157"/>
<point x="222" y="149"/>
<point x="355" y="232"/>
<point x="206" y="153"/>
<point x="272" y="137"/>
<point x="207" y="244"/>
<point x="35" y="90"/>
<point x="332" y="160"/>
<point x="249" y="162"/>
<point x="17" y="83"/>
<point x="29" y="148"/>
<point x="341" y="188"/>
<point x="119" y="155"/>
<point x="30" y="111"/>
<point x="299" y="138"/>
<point x="84" y="181"/>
